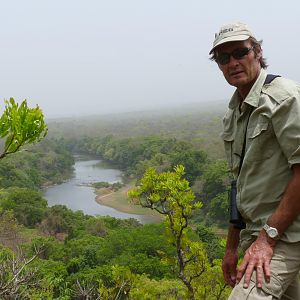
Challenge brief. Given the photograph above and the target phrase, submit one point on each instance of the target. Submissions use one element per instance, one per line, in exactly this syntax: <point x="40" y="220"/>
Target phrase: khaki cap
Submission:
<point x="230" y="33"/>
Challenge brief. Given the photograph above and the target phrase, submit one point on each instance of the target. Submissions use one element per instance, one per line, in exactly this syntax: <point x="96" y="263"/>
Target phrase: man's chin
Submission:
<point x="237" y="81"/>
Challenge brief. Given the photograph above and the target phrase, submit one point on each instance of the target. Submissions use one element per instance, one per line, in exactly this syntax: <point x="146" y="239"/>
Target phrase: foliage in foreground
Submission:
<point x="172" y="197"/>
<point x="104" y="256"/>
<point x="100" y="258"/>
<point x="20" y="125"/>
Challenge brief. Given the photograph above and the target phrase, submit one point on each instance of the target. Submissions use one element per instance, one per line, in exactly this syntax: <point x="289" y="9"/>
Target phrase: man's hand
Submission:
<point x="257" y="257"/>
<point x="229" y="265"/>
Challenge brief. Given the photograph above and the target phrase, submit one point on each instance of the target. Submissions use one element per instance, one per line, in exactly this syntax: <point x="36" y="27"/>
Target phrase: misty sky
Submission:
<point x="94" y="57"/>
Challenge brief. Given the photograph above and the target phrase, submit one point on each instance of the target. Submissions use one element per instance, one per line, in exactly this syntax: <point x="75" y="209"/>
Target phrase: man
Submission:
<point x="262" y="144"/>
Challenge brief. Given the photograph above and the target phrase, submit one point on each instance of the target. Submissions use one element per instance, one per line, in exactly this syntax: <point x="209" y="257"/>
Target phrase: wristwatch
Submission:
<point x="272" y="232"/>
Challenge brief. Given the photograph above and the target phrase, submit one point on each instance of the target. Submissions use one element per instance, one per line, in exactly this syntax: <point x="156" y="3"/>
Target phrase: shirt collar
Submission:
<point x="254" y="94"/>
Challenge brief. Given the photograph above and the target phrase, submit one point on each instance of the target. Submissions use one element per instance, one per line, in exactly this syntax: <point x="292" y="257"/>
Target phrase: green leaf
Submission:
<point x="21" y="125"/>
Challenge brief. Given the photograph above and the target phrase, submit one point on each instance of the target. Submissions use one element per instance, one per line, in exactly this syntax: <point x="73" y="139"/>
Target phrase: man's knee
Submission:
<point x="251" y="293"/>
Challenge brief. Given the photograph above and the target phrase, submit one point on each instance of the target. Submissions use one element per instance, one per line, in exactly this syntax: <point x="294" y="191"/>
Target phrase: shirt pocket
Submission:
<point x="261" y="141"/>
<point x="228" y="139"/>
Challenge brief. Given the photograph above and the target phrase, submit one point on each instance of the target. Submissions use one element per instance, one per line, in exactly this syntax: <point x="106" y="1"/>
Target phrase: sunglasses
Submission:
<point x="239" y="53"/>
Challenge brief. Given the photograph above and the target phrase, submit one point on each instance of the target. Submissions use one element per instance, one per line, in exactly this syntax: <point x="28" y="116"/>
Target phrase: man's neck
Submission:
<point x="244" y="91"/>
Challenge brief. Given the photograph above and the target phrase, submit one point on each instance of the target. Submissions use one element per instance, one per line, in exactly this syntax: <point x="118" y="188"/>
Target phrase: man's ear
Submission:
<point x="259" y="53"/>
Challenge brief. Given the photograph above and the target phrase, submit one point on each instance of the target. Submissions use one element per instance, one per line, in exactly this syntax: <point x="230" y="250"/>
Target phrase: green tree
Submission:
<point x="215" y="192"/>
<point x="151" y="289"/>
<point x="212" y="243"/>
<point x="61" y="220"/>
<point x="123" y="279"/>
<point x="41" y="164"/>
<point x="141" y="249"/>
<point x="193" y="162"/>
<point x="20" y="125"/>
<point x="29" y="206"/>
<point x="171" y="196"/>
<point x="216" y="178"/>
<point x="9" y="229"/>
<point x="51" y="281"/>
<point x="96" y="226"/>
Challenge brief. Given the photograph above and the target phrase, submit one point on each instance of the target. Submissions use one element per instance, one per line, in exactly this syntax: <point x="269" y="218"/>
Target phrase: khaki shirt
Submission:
<point x="272" y="147"/>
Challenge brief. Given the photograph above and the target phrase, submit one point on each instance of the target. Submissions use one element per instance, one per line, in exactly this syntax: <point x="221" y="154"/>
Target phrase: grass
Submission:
<point x="120" y="201"/>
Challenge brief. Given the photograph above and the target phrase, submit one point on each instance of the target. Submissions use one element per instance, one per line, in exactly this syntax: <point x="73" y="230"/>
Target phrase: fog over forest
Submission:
<point x="76" y="58"/>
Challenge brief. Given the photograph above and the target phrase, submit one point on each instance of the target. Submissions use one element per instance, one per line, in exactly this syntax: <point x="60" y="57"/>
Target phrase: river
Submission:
<point x="77" y="195"/>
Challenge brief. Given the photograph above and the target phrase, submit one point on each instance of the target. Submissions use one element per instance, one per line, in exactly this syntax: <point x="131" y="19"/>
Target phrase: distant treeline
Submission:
<point x="208" y="177"/>
<point x="200" y="125"/>
<point x="47" y="163"/>
<point x="134" y="155"/>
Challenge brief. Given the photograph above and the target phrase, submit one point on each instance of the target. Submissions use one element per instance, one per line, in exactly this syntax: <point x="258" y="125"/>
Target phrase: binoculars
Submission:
<point x="235" y="216"/>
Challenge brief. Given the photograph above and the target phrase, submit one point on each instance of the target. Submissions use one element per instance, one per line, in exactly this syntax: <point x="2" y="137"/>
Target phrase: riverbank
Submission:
<point x="120" y="201"/>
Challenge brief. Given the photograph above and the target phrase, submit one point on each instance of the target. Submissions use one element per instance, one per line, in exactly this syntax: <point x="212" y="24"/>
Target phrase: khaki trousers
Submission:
<point x="284" y="283"/>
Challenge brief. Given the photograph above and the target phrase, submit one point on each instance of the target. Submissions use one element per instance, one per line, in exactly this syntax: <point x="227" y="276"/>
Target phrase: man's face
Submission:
<point x="240" y="72"/>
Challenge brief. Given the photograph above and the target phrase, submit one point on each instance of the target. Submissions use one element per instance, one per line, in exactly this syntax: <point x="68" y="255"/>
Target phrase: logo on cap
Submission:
<point x="231" y="32"/>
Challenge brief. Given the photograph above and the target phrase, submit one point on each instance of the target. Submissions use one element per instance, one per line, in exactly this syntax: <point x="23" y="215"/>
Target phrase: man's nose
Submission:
<point x="233" y="61"/>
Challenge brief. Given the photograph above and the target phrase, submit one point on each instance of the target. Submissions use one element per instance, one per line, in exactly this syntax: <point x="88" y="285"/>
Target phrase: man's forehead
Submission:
<point x="227" y="47"/>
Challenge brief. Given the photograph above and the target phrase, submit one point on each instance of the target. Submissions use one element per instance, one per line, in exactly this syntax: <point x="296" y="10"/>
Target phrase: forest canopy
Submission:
<point x="62" y="254"/>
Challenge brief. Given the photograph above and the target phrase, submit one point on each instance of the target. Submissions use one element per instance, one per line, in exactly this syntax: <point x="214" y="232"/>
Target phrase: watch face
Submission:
<point x="272" y="232"/>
